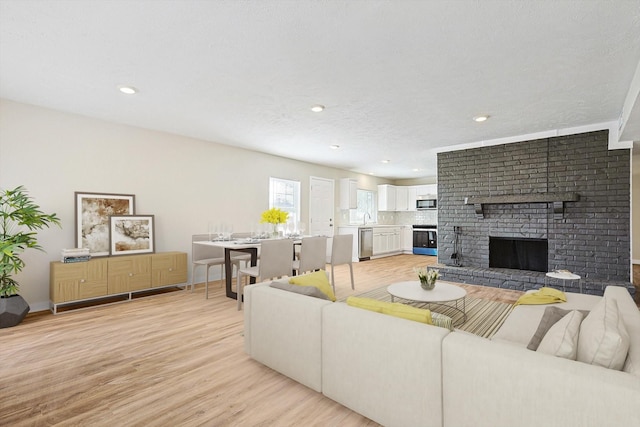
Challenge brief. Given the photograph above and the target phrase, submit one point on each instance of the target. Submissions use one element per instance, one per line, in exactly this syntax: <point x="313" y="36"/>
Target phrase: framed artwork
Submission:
<point x="131" y="234"/>
<point x="92" y="218"/>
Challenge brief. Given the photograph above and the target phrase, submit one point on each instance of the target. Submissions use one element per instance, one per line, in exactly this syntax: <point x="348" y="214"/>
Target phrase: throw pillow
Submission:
<point x="366" y="303"/>
<point x="408" y="312"/>
<point x="442" y="321"/>
<point x="604" y="340"/>
<point x="310" y="291"/>
<point x="562" y="338"/>
<point x="316" y="279"/>
<point x="549" y="318"/>
<point x="393" y="309"/>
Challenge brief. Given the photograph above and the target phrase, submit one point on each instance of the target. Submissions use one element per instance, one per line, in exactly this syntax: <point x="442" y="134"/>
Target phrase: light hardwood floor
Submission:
<point x="173" y="359"/>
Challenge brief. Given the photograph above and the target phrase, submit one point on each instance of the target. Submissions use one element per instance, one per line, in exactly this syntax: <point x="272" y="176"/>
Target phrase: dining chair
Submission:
<point x="313" y="255"/>
<point x="341" y="253"/>
<point x="276" y="260"/>
<point x="209" y="256"/>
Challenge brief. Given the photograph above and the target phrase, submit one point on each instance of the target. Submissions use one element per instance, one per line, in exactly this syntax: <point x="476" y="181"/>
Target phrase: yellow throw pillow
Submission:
<point x="392" y="309"/>
<point x="316" y="279"/>
<point x="367" y="303"/>
<point x="408" y="312"/>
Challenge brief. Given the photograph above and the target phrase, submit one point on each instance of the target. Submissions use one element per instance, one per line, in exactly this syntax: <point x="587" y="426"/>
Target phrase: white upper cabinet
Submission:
<point x="427" y="190"/>
<point x="386" y="197"/>
<point x="406" y="198"/>
<point x="403" y="198"/>
<point x="348" y="193"/>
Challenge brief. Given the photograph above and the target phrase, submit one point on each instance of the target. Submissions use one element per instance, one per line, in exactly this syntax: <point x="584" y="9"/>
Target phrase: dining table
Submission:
<point x="247" y="245"/>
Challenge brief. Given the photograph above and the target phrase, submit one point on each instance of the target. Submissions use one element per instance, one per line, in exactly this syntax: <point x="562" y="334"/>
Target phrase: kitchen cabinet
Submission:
<point x="407" y="239"/>
<point x="427" y="190"/>
<point x="103" y="277"/>
<point x="386" y="240"/>
<point x="386" y="197"/>
<point x="403" y="198"/>
<point x="348" y="193"/>
<point x="406" y="198"/>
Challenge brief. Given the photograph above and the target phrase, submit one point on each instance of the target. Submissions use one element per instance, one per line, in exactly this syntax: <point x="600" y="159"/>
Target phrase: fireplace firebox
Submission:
<point x="520" y="254"/>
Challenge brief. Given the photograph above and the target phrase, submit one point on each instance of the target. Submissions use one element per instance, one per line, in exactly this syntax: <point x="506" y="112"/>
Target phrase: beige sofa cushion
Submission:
<point x="562" y="338"/>
<point x="604" y="340"/>
<point x="631" y="318"/>
<point x="551" y="316"/>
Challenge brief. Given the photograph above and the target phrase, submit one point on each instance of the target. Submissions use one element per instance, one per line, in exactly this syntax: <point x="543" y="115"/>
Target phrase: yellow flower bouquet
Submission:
<point x="274" y="216"/>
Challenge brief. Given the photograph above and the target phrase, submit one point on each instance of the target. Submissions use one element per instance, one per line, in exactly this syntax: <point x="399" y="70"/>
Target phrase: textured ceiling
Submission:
<point x="400" y="79"/>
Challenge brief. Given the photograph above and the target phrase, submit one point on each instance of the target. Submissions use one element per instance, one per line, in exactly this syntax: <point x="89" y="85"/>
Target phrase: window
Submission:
<point x="285" y="195"/>
<point x="366" y="205"/>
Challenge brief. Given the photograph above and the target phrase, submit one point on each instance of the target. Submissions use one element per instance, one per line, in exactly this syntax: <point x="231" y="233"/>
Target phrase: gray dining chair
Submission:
<point x="313" y="255"/>
<point x="276" y="260"/>
<point x="209" y="256"/>
<point x="341" y="253"/>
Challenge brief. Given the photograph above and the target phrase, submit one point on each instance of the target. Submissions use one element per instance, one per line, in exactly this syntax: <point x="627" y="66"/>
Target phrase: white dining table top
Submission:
<point x="242" y="243"/>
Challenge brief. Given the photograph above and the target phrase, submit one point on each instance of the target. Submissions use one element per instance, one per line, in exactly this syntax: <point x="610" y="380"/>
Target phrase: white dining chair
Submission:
<point x="313" y="255"/>
<point x="276" y="260"/>
<point x="209" y="256"/>
<point x="341" y="252"/>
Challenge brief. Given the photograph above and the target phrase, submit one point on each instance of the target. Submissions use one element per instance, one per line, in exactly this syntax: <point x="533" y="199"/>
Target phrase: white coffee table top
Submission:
<point x="442" y="292"/>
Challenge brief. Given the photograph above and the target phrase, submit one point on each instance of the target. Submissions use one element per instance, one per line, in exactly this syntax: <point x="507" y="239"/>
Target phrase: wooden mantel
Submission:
<point x="558" y="200"/>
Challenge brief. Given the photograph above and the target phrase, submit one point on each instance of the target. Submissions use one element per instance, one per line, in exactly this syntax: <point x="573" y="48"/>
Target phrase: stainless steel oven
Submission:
<point x="425" y="239"/>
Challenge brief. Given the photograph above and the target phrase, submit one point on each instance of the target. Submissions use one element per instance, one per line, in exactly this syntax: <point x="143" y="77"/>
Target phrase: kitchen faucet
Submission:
<point x="364" y="219"/>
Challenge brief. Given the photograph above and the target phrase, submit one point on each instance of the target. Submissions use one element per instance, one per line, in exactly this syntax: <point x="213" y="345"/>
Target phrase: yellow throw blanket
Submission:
<point x="542" y="296"/>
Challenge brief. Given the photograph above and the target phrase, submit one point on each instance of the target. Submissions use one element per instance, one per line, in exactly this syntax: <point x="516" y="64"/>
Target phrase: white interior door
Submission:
<point x="321" y="206"/>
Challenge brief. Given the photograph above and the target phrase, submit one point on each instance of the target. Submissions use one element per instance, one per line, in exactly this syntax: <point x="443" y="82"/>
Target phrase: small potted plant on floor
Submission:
<point x="20" y="217"/>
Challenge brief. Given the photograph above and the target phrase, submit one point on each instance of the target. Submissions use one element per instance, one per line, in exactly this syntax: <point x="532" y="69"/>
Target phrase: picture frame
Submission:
<point x="92" y="218"/>
<point x="131" y="234"/>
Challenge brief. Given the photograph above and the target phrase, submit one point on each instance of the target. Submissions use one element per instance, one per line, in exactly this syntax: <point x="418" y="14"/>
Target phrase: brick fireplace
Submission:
<point x="571" y="192"/>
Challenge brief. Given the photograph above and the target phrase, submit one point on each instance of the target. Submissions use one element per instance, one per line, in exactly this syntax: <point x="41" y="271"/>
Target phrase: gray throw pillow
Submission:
<point x="310" y="291"/>
<point x="549" y="318"/>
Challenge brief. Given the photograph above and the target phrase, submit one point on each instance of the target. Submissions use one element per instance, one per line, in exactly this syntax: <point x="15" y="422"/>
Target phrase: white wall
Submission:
<point x="186" y="183"/>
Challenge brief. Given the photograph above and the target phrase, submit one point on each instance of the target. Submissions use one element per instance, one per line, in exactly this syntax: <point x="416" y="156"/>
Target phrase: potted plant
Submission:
<point x="20" y="217"/>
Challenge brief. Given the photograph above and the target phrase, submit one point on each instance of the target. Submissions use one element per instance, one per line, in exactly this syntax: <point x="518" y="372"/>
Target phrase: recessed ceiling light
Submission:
<point x="129" y="90"/>
<point x="482" y="118"/>
<point x="371" y="173"/>
<point x="317" y="108"/>
<point x="416" y="170"/>
<point x="334" y="146"/>
<point x="386" y="161"/>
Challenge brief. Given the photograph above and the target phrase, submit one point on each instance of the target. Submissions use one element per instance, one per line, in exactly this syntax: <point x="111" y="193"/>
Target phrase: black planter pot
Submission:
<point x="13" y="310"/>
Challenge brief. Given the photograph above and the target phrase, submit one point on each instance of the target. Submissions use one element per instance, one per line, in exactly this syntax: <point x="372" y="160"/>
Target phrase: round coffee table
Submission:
<point x="442" y="293"/>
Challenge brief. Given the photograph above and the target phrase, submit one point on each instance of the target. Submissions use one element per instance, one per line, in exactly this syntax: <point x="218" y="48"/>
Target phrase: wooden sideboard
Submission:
<point x="110" y="276"/>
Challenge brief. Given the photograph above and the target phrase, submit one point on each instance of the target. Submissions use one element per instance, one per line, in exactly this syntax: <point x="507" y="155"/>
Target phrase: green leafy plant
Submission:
<point x="20" y="217"/>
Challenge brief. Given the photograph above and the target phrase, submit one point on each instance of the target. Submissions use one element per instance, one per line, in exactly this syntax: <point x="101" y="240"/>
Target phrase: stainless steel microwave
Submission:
<point x="426" y="204"/>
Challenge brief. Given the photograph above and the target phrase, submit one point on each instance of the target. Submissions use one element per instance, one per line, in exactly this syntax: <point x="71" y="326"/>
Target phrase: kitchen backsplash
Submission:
<point x="427" y="217"/>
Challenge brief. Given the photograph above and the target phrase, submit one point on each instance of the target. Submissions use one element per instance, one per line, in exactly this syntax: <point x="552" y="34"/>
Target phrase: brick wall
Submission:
<point x="592" y="239"/>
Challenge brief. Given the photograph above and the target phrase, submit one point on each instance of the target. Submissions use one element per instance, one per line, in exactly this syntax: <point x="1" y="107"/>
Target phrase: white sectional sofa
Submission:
<point x="403" y="373"/>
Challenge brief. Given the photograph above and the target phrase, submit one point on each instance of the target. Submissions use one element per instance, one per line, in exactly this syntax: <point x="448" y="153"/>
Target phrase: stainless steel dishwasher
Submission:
<point x="365" y="243"/>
